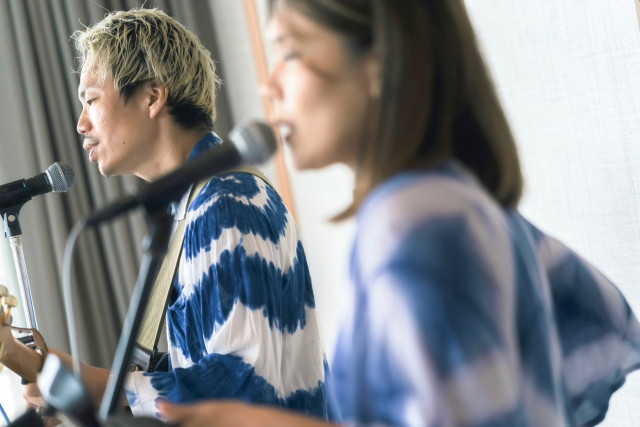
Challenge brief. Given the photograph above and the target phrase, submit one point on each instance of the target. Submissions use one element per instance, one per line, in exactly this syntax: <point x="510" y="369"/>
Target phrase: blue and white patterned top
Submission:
<point x="243" y="322"/>
<point x="464" y="314"/>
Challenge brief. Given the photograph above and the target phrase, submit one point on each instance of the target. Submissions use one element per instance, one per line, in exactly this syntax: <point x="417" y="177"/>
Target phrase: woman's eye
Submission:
<point x="290" y="55"/>
<point x="90" y="101"/>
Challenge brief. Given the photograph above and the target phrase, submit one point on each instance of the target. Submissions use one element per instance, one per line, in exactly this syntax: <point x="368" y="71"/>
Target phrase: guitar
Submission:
<point x="24" y="356"/>
<point x="27" y="361"/>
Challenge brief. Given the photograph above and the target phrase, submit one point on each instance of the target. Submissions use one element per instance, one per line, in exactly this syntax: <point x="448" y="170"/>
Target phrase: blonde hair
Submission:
<point x="146" y="45"/>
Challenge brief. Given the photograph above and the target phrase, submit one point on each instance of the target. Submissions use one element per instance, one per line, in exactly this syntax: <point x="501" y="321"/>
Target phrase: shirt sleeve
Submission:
<point x="599" y="333"/>
<point x="440" y="346"/>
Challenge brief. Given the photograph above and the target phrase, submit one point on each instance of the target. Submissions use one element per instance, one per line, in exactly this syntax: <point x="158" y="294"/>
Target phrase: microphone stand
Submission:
<point x="13" y="231"/>
<point x="155" y="245"/>
<point x="76" y="403"/>
<point x="65" y="391"/>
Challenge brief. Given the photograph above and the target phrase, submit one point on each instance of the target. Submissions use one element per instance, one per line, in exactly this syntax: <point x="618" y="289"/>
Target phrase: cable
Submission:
<point x="68" y="297"/>
<point x="4" y="415"/>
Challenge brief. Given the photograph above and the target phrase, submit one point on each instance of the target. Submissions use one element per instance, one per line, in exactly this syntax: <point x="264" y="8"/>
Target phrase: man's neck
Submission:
<point x="170" y="152"/>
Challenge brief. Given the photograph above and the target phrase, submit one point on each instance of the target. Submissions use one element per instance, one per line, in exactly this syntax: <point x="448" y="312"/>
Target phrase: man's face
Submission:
<point x="117" y="135"/>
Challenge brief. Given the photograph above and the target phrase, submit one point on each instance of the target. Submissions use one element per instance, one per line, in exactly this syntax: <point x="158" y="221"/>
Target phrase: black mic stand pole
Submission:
<point x="65" y="391"/>
<point x="155" y="245"/>
<point x="13" y="231"/>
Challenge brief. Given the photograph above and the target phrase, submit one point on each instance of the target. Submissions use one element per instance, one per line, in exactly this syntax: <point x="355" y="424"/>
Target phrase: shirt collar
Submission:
<point x="210" y="140"/>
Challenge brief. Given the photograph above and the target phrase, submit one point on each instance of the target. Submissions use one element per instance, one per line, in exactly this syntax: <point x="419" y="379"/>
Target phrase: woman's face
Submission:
<point x="321" y="92"/>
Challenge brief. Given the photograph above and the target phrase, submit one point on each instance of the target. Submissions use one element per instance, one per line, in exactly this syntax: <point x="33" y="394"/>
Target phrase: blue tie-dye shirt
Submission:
<point x="242" y="323"/>
<point x="466" y="315"/>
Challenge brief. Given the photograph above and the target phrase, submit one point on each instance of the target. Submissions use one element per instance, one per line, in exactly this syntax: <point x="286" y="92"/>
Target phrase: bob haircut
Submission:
<point x="437" y="99"/>
<point x="146" y="45"/>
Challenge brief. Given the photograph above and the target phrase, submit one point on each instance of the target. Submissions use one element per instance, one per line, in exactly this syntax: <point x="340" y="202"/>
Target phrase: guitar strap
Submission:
<point x="145" y="355"/>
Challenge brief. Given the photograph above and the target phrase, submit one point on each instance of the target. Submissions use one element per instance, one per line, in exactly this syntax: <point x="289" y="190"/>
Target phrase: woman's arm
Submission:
<point x="220" y="413"/>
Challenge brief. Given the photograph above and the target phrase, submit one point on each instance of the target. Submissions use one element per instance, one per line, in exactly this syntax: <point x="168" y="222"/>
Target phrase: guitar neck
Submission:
<point x="18" y="357"/>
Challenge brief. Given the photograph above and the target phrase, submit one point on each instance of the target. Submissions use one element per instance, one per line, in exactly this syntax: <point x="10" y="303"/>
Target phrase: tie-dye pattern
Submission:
<point x="464" y="314"/>
<point x="243" y="323"/>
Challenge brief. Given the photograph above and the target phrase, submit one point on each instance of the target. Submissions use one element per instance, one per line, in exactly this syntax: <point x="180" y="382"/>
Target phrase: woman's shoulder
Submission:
<point x="416" y="197"/>
<point x="429" y="208"/>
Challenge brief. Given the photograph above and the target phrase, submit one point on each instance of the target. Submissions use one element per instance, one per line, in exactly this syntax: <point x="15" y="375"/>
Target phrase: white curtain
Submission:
<point x="38" y="116"/>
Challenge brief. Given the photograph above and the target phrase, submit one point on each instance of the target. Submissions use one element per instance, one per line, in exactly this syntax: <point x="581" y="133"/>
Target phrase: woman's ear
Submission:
<point x="156" y="98"/>
<point x="374" y="78"/>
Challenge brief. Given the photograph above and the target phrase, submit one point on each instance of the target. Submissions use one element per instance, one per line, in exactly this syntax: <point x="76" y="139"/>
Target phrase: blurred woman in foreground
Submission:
<point x="464" y="313"/>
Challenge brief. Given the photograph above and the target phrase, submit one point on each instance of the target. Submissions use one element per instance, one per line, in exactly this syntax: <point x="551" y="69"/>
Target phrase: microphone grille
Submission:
<point x="254" y="140"/>
<point x="62" y="177"/>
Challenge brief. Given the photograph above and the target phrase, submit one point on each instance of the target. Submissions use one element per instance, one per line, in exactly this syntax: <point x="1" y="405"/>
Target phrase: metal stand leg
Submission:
<point x="23" y="281"/>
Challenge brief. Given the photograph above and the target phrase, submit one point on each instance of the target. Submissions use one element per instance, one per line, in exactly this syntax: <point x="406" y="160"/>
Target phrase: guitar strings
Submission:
<point x="4" y="415"/>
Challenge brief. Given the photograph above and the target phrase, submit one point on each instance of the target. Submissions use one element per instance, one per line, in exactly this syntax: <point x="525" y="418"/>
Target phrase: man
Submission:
<point x="241" y="322"/>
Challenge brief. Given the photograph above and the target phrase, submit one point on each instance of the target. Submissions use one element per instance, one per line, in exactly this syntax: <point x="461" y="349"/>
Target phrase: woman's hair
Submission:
<point x="146" y="45"/>
<point x="437" y="99"/>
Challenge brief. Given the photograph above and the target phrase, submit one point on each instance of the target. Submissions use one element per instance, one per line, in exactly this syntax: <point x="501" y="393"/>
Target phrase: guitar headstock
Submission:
<point x="8" y="302"/>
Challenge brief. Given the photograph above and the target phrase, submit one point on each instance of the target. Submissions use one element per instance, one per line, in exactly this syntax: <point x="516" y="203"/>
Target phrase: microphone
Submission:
<point x="250" y="142"/>
<point x="59" y="178"/>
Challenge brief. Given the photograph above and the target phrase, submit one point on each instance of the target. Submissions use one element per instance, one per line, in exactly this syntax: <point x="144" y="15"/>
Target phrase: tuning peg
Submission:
<point x="3" y="291"/>
<point x="11" y="301"/>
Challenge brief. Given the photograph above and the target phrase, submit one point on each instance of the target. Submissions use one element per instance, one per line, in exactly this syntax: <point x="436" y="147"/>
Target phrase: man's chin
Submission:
<point x="105" y="171"/>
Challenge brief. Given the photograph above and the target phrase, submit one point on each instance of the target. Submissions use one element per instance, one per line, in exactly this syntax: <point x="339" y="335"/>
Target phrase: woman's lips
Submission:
<point x="285" y="131"/>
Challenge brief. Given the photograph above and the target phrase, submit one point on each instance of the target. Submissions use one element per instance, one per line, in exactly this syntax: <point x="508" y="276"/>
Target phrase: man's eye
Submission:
<point x="90" y="101"/>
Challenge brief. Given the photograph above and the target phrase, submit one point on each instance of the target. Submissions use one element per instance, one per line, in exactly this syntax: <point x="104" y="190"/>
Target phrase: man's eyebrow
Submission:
<point x="82" y="92"/>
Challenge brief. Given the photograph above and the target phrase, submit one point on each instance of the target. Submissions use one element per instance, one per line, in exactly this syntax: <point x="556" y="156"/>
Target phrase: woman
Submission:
<point x="464" y="313"/>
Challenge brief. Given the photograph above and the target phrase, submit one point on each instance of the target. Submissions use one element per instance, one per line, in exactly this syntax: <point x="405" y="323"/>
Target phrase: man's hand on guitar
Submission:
<point x="25" y="360"/>
<point x="25" y="356"/>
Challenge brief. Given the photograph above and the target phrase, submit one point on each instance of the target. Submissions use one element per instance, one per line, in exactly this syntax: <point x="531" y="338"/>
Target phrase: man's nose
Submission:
<point x="84" y="124"/>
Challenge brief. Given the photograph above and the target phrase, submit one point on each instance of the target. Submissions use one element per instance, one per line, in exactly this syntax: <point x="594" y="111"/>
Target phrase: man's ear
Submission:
<point x="156" y="99"/>
<point x="374" y="78"/>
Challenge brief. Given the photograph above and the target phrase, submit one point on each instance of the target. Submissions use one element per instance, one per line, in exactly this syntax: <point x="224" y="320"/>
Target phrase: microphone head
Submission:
<point x="254" y="140"/>
<point x="61" y="177"/>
